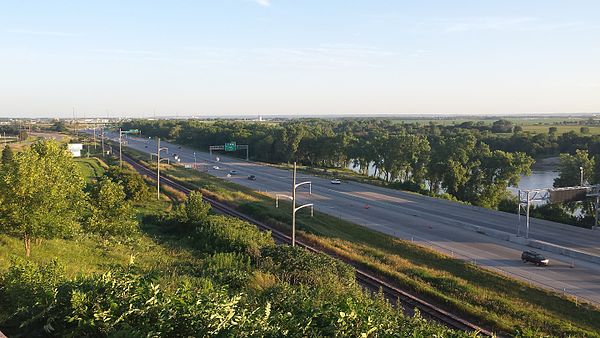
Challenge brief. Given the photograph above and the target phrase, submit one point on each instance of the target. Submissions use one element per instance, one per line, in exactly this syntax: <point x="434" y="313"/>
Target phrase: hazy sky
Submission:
<point x="298" y="56"/>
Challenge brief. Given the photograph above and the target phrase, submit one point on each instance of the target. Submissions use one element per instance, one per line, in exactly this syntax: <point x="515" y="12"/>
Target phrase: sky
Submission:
<point x="298" y="57"/>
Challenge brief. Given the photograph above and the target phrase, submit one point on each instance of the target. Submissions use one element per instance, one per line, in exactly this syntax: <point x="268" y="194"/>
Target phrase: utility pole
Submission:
<point x="293" y="198"/>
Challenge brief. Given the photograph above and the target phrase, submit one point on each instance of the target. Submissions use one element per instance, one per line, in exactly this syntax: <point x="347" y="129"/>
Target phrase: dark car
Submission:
<point x="252" y="178"/>
<point x="534" y="257"/>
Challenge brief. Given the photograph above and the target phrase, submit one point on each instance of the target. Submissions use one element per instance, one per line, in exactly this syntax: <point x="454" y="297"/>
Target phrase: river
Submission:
<point x="542" y="175"/>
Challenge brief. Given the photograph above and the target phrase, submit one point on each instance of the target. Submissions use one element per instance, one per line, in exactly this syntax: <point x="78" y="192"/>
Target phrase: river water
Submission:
<point x="542" y="175"/>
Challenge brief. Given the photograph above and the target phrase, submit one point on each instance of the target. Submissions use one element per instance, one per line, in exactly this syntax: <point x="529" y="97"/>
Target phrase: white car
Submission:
<point x="216" y="167"/>
<point x="336" y="181"/>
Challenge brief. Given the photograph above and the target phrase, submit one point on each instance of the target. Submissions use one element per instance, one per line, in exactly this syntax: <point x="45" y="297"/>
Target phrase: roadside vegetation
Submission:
<point x="505" y="304"/>
<point x="121" y="263"/>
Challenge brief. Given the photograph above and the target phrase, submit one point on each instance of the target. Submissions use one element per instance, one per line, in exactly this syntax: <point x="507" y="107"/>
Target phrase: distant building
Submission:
<point x="75" y="149"/>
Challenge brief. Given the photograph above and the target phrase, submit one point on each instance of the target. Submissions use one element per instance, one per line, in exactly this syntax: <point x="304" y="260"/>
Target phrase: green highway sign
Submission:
<point x="230" y="146"/>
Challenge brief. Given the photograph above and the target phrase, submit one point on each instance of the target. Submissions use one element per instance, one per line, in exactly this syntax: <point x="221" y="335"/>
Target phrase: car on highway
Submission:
<point x="216" y="167"/>
<point x="534" y="257"/>
<point x="252" y="177"/>
<point x="233" y="172"/>
<point x="336" y="181"/>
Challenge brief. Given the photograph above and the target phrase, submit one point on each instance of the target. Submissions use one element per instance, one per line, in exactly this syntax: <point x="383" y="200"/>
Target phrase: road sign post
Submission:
<point x="230" y="146"/>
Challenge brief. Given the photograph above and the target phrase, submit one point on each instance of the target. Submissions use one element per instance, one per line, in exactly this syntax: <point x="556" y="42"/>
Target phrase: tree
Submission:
<point x="517" y="129"/>
<point x="23" y="135"/>
<point x="42" y="193"/>
<point x="502" y="126"/>
<point x="496" y="171"/>
<point x="584" y="130"/>
<point x="133" y="184"/>
<point x="451" y="162"/>
<point x="194" y="211"/>
<point x="7" y="154"/>
<point x="111" y="214"/>
<point x="59" y="126"/>
<point x="569" y="172"/>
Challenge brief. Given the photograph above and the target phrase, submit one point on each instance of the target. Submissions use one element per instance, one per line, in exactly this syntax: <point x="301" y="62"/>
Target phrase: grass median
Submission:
<point x="493" y="300"/>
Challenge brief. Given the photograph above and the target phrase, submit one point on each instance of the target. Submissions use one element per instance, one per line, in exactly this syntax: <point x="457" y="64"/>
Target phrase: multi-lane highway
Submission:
<point x="433" y="222"/>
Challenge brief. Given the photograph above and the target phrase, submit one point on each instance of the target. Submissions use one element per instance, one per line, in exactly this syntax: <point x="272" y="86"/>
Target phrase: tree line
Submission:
<point x="434" y="159"/>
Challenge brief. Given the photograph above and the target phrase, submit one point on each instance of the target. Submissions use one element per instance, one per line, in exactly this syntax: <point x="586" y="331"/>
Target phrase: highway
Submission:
<point x="427" y="221"/>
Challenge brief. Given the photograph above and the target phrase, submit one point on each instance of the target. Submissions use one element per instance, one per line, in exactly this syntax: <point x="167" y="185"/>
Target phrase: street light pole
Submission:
<point x="527" y="221"/>
<point x="158" y="169"/>
<point x="94" y="137"/>
<point x="581" y="176"/>
<point x="102" y="140"/>
<point x="294" y="208"/>
<point x="158" y="159"/>
<point x="120" y="152"/>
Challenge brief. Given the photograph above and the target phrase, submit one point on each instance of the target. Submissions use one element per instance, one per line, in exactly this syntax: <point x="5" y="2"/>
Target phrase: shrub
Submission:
<point x="110" y="214"/>
<point x="299" y="266"/>
<point x="28" y="289"/>
<point x="133" y="184"/>
<point x="232" y="269"/>
<point x="227" y="234"/>
<point x="190" y="214"/>
<point x="122" y="304"/>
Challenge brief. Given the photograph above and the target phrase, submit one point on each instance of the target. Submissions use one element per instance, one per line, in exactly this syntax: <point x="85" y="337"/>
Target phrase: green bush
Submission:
<point x="188" y="215"/>
<point x="126" y="304"/>
<point x="227" y="234"/>
<point x="121" y="304"/>
<point x="28" y="290"/>
<point x="298" y="266"/>
<point x="232" y="269"/>
<point x="133" y="184"/>
<point x="111" y="214"/>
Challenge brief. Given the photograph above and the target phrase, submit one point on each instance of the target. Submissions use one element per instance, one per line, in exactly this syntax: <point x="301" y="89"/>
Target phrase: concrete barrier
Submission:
<point x="534" y="243"/>
<point x="569" y="252"/>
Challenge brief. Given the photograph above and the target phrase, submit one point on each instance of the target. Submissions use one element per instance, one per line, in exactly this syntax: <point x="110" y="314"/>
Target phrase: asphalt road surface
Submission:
<point x="428" y="221"/>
